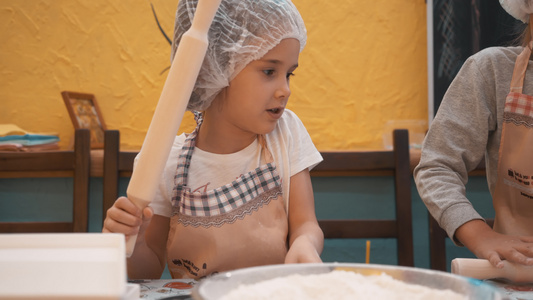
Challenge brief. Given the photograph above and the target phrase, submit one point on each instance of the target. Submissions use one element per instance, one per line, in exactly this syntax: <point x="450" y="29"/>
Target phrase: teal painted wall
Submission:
<point x="336" y="197"/>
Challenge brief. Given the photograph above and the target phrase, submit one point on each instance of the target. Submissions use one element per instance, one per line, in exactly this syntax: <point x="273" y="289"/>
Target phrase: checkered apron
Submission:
<point x="241" y="224"/>
<point x="513" y="196"/>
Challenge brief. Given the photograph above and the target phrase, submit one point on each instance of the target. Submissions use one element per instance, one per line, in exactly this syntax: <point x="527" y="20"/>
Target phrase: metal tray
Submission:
<point x="218" y="285"/>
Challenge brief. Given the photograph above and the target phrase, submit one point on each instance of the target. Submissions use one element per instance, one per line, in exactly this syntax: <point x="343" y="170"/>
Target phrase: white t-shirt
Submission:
<point x="290" y="145"/>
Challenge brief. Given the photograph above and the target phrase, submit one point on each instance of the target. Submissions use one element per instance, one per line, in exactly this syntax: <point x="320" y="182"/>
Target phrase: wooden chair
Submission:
<point x="75" y="163"/>
<point x="438" y="236"/>
<point x="394" y="162"/>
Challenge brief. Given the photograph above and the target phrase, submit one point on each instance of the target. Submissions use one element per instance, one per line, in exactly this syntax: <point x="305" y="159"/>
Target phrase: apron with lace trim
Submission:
<point x="513" y="196"/>
<point x="241" y="224"/>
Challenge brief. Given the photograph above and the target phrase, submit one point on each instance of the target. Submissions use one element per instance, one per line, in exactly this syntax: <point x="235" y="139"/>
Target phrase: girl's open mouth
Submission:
<point x="276" y="113"/>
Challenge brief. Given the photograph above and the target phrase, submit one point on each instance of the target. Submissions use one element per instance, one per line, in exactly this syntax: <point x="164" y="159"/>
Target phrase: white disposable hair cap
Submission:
<point x="519" y="9"/>
<point x="242" y="31"/>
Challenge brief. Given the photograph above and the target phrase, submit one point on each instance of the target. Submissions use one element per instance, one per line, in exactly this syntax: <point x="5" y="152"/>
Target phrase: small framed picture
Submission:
<point x="84" y="113"/>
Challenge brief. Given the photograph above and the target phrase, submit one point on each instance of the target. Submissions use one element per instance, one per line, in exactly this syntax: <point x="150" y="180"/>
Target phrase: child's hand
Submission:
<point x="488" y="244"/>
<point x="302" y="251"/>
<point x="125" y="217"/>
<point x="500" y="247"/>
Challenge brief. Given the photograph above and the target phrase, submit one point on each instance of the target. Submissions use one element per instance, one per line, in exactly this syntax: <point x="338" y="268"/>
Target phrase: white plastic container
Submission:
<point x="63" y="266"/>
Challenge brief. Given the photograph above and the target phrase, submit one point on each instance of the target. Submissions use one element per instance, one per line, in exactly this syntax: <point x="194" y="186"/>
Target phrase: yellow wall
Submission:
<point x="365" y="64"/>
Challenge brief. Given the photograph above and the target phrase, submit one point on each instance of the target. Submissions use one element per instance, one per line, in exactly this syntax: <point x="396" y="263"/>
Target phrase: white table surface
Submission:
<point x="176" y="289"/>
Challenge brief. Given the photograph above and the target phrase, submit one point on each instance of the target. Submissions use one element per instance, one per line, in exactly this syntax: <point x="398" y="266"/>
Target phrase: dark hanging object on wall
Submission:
<point x="163" y="33"/>
<point x="462" y="28"/>
<point x="159" y="25"/>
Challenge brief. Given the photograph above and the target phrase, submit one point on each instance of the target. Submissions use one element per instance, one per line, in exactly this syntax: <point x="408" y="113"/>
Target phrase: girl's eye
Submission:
<point x="289" y="75"/>
<point x="268" y="72"/>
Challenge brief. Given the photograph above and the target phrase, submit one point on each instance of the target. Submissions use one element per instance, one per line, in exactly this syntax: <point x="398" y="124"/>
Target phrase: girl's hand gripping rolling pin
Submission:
<point x="170" y="109"/>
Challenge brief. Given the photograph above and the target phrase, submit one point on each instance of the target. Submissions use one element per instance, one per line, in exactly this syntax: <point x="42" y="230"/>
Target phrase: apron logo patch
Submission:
<point x="518" y="177"/>
<point x="189" y="265"/>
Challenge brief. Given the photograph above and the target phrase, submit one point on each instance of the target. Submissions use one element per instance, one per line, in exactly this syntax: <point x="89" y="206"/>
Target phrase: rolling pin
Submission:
<point x="483" y="269"/>
<point x="170" y="109"/>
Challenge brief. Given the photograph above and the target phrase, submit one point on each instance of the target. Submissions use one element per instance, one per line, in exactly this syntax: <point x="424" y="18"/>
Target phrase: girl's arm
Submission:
<point x="306" y="239"/>
<point x="149" y="257"/>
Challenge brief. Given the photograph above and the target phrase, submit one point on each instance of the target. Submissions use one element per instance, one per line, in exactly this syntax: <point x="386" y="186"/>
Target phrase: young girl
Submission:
<point x="487" y="111"/>
<point x="236" y="192"/>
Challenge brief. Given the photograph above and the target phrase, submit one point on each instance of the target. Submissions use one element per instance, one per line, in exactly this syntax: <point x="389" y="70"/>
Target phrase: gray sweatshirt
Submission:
<point x="467" y="126"/>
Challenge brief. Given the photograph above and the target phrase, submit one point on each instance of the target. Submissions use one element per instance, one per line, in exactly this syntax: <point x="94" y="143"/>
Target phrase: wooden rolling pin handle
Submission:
<point x="170" y="109"/>
<point x="483" y="269"/>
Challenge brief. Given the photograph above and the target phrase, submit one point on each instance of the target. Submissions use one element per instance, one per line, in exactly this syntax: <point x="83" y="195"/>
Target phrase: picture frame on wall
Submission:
<point x="85" y="113"/>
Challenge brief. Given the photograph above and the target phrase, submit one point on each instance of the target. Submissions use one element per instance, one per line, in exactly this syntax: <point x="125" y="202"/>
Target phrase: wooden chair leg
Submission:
<point x="111" y="173"/>
<point x="437" y="245"/>
<point x="402" y="186"/>
<point x="82" y="173"/>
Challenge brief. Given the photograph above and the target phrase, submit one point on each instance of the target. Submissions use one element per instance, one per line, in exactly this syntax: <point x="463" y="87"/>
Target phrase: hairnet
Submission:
<point x="242" y="31"/>
<point x="519" y="9"/>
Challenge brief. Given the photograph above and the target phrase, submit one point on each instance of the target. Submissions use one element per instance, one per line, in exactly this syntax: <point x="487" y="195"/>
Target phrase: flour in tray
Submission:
<point x="338" y="285"/>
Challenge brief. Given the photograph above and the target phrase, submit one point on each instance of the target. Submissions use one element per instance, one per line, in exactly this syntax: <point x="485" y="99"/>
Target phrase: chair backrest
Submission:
<point x="390" y="162"/>
<point x="75" y="163"/>
<point x="372" y="163"/>
<point x="437" y="235"/>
